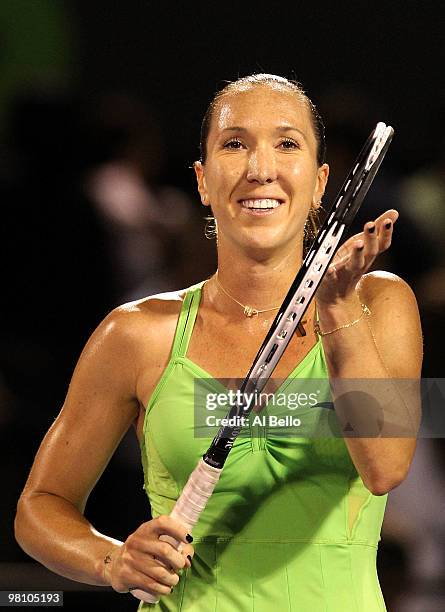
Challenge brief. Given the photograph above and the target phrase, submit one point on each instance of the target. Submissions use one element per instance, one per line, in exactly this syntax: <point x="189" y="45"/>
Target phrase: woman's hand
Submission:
<point x="355" y="257"/>
<point x="146" y="562"/>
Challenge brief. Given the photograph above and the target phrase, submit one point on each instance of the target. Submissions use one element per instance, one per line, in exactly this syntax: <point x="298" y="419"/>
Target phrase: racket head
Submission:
<point x="357" y="183"/>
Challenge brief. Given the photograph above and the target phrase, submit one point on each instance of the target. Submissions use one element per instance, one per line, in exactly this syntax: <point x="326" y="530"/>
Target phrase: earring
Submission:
<point x="211" y="228"/>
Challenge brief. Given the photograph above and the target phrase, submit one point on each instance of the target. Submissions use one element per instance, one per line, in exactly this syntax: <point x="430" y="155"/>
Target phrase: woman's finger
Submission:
<point x="163" y="576"/>
<point x="153" y="570"/>
<point x="142" y="581"/>
<point x="188" y="552"/>
<point x="391" y="214"/>
<point x="168" y="555"/>
<point x="165" y="525"/>
<point x="158" y="549"/>
<point x="385" y="234"/>
<point x="371" y="242"/>
<point x="357" y="260"/>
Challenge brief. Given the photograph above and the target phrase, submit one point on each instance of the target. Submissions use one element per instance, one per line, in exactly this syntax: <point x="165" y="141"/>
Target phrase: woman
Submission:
<point x="293" y="523"/>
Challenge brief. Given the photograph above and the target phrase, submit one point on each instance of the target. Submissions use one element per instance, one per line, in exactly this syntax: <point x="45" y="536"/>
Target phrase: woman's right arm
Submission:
<point x="100" y="406"/>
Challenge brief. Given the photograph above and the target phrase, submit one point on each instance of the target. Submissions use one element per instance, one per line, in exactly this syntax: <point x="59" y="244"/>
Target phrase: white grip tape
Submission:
<point x="189" y="506"/>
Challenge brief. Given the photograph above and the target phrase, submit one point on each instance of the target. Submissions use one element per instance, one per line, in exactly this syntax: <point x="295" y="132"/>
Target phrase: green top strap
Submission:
<point x="186" y="320"/>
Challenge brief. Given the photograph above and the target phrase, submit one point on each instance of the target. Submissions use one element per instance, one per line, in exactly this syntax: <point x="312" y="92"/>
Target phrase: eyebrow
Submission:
<point x="280" y="128"/>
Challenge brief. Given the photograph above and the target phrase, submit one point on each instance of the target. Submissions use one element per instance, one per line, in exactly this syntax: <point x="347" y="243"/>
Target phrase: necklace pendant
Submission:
<point x="249" y="311"/>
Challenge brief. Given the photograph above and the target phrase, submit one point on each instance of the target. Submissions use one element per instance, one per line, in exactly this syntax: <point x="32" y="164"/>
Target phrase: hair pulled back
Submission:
<point x="275" y="82"/>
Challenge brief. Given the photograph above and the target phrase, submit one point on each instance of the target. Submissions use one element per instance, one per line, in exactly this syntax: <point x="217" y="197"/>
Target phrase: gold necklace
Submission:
<point x="248" y="310"/>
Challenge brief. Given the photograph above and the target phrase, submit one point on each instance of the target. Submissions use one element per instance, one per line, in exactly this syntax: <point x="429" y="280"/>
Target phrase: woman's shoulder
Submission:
<point x="390" y="299"/>
<point x="149" y="314"/>
<point x="379" y="285"/>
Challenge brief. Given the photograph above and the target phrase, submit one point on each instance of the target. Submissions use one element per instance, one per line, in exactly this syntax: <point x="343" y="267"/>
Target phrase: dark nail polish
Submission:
<point x="371" y="230"/>
<point x="189" y="557"/>
<point x="388" y="225"/>
<point x="189" y="538"/>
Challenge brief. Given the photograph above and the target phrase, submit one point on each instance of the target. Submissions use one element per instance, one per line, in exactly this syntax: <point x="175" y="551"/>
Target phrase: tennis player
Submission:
<point x="294" y="522"/>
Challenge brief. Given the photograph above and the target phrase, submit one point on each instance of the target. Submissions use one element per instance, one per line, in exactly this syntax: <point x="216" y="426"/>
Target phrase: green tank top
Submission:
<point x="290" y="525"/>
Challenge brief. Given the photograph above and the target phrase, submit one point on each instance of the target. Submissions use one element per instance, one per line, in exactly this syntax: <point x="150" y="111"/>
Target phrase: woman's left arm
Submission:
<point x="375" y="363"/>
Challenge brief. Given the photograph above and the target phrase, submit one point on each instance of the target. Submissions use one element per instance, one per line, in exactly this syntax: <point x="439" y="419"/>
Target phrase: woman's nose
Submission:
<point x="262" y="166"/>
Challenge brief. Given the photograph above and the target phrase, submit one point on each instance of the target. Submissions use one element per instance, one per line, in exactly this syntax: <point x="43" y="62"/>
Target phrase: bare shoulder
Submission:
<point x="157" y="306"/>
<point x="135" y="338"/>
<point x="145" y="318"/>
<point x="380" y="289"/>
<point x="150" y="313"/>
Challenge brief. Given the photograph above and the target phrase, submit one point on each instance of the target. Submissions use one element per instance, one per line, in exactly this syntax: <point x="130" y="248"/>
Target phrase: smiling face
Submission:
<point x="261" y="174"/>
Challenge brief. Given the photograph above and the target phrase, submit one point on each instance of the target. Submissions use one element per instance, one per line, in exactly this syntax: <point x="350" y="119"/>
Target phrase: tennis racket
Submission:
<point x="205" y="476"/>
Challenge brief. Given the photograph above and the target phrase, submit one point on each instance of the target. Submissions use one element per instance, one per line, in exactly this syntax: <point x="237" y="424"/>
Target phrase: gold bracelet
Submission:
<point x="365" y="311"/>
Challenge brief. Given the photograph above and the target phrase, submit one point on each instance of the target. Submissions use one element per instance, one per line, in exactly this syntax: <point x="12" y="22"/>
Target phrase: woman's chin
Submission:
<point x="262" y="245"/>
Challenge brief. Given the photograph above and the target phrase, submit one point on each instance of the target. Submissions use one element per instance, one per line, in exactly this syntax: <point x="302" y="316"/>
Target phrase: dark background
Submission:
<point x="83" y="84"/>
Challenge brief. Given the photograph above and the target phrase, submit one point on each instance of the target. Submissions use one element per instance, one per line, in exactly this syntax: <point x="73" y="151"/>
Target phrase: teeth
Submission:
<point x="266" y="203"/>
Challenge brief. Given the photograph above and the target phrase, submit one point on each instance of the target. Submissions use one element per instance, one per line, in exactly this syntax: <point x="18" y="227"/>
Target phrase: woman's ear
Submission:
<point x="320" y="185"/>
<point x="202" y="187"/>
